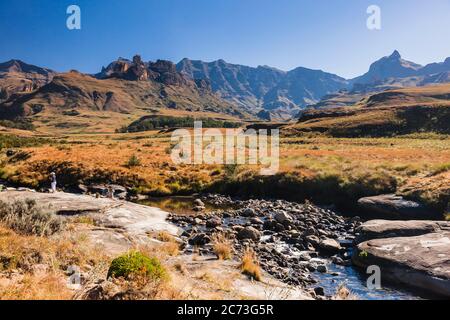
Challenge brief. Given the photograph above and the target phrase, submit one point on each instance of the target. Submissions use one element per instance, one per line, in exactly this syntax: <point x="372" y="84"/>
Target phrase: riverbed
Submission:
<point x="354" y="279"/>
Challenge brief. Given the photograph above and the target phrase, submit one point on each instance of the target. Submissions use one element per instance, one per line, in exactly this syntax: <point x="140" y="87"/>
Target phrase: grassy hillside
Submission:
<point x="392" y="112"/>
<point x="74" y="102"/>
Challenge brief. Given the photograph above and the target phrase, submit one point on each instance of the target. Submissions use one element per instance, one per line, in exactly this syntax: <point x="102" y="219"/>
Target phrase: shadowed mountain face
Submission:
<point x="264" y="88"/>
<point x="18" y="77"/>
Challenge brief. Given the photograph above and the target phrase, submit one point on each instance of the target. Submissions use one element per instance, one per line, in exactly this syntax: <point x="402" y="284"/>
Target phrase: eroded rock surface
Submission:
<point x="421" y="261"/>
<point x="118" y="224"/>
<point x="377" y="229"/>
<point x="391" y="206"/>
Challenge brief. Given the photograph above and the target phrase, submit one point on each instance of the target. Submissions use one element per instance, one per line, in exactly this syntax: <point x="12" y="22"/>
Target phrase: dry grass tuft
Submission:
<point x="222" y="246"/>
<point x="164" y="236"/>
<point x="171" y="248"/>
<point x="250" y="265"/>
<point x="342" y="293"/>
<point x="25" y="217"/>
<point x="50" y="286"/>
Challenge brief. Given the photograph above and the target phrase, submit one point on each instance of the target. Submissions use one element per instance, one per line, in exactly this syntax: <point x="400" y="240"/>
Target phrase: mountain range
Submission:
<point x="137" y="88"/>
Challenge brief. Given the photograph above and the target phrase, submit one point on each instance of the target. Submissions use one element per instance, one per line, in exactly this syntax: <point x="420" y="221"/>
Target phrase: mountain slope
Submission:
<point x="400" y="111"/>
<point x="395" y="69"/>
<point x="264" y="88"/>
<point x="392" y="66"/>
<point x="78" y="101"/>
<point x="18" y="77"/>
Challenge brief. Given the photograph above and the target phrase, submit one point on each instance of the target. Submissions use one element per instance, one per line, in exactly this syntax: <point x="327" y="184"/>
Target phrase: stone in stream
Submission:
<point x="376" y="229"/>
<point x="256" y="221"/>
<point x="199" y="239"/>
<point x="249" y="233"/>
<point x="422" y="261"/>
<point x="282" y="217"/>
<point x="213" y="222"/>
<point x="322" y="268"/>
<point x="329" y="246"/>
<point x="391" y="206"/>
<point x="249" y="212"/>
<point x="320" y="291"/>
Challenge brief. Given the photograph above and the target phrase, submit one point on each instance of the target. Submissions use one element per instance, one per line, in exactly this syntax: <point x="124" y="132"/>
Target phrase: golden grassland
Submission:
<point x="312" y="167"/>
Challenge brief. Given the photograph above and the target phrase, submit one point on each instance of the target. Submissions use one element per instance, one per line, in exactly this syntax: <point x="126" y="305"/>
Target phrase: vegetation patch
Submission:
<point x="25" y="217"/>
<point x="250" y="265"/>
<point x="153" y="122"/>
<point x="135" y="264"/>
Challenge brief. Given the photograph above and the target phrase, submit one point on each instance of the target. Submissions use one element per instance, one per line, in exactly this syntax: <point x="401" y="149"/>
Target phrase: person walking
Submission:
<point x="53" y="182"/>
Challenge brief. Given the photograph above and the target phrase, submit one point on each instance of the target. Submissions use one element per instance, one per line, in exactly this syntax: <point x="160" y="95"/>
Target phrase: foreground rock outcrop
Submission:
<point x="421" y="261"/>
<point x="118" y="224"/>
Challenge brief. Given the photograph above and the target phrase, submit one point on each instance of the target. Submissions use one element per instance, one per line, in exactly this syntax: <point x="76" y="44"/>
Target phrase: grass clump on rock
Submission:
<point x="135" y="264"/>
<point x="250" y="266"/>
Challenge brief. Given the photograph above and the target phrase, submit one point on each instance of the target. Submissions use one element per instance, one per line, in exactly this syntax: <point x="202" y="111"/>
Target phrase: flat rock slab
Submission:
<point x="391" y="206"/>
<point x="378" y="229"/>
<point x="422" y="261"/>
<point x="121" y="223"/>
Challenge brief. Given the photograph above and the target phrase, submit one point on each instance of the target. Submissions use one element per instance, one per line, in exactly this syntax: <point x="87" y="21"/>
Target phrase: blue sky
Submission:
<point x="319" y="34"/>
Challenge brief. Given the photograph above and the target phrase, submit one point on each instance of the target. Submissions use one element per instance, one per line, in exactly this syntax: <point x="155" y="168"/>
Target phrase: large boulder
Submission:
<point x="422" y="261"/>
<point x="376" y="229"/>
<point x="391" y="206"/>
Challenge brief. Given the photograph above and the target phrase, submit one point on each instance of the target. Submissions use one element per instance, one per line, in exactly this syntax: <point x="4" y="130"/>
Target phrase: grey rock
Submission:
<point x="213" y="222"/>
<point x="377" y="229"/>
<point x="249" y="233"/>
<point x="330" y="246"/>
<point x="391" y="206"/>
<point x="282" y="217"/>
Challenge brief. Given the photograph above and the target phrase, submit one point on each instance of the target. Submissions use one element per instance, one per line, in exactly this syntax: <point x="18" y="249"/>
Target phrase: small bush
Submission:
<point x="133" y="161"/>
<point x="25" y="217"/>
<point x="222" y="246"/>
<point x="135" y="264"/>
<point x="250" y="265"/>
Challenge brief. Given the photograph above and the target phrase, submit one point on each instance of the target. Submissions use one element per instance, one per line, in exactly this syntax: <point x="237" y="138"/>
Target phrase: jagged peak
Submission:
<point x="395" y="55"/>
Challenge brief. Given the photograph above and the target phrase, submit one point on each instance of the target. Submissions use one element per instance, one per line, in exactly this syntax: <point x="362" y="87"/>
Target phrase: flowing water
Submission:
<point x="351" y="277"/>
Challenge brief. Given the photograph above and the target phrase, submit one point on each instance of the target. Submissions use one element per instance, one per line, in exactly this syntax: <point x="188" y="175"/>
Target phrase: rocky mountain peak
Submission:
<point x="395" y="55"/>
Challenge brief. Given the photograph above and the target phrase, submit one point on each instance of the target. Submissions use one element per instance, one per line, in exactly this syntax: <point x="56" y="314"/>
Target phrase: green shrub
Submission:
<point x="25" y="217"/>
<point x="133" y="161"/>
<point x="135" y="264"/>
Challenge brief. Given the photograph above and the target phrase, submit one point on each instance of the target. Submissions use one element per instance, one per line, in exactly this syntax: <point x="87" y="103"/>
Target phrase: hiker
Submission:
<point x="53" y="182"/>
<point x="110" y="192"/>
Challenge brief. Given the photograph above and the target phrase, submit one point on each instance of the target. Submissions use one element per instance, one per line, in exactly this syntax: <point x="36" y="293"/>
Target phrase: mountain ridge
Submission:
<point x="261" y="92"/>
